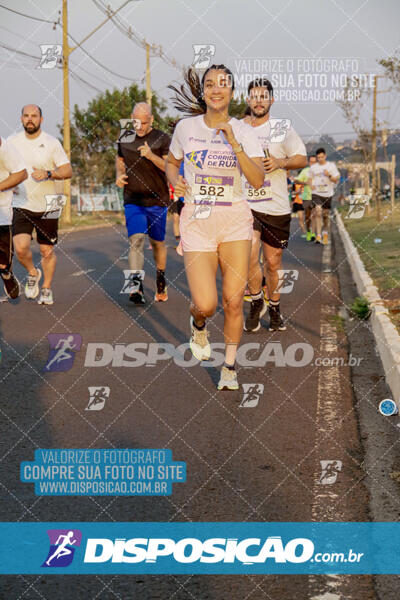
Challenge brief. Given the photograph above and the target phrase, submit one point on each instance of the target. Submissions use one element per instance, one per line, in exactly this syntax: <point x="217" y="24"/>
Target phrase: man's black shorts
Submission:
<point x="6" y="245"/>
<point x="321" y="201"/>
<point x="274" y="229"/>
<point x="25" y="221"/>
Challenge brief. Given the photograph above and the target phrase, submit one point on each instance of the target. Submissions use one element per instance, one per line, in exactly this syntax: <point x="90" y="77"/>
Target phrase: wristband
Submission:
<point x="48" y="174"/>
<point x="237" y="149"/>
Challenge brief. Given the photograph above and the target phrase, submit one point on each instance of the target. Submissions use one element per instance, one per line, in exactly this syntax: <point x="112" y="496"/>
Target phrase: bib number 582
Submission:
<point x="211" y="190"/>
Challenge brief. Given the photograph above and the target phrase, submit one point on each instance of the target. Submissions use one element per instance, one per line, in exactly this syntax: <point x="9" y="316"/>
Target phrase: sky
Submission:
<point x="306" y="47"/>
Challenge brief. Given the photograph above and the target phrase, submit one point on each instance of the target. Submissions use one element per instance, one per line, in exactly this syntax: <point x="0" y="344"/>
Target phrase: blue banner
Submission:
<point x="199" y="548"/>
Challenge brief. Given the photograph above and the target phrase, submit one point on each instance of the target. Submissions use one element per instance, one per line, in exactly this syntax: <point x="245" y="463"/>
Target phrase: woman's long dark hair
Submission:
<point x="188" y="97"/>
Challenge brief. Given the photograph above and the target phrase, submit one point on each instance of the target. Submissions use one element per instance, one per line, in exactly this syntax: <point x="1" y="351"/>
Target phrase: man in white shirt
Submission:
<point x="324" y="176"/>
<point x="12" y="173"/>
<point x="46" y="163"/>
<point x="270" y="205"/>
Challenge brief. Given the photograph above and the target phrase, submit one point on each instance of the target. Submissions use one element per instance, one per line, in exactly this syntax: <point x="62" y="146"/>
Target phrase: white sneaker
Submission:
<point x="46" y="296"/>
<point x="199" y="344"/>
<point x="32" y="285"/>
<point x="228" y="379"/>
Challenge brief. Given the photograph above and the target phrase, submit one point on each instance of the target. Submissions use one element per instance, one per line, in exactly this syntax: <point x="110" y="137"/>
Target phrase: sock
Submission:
<point x="230" y="367"/>
<point x="5" y="274"/>
<point x="160" y="272"/>
<point x="200" y="328"/>
<point x="257" y="296"/>
<point x="274" y="303"/>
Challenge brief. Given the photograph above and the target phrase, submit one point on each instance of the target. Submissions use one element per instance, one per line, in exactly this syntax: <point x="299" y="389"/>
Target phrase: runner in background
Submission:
<point x="324" y="176"/>
<point x="216" y="222"/>
<point x="270" y="205"/>
<point x="297" y="205"/>
<point x="46" y="163"/>
<point x="303" y="178"/>
<point x="12" y="173"/>
<point x="146" y="197"/>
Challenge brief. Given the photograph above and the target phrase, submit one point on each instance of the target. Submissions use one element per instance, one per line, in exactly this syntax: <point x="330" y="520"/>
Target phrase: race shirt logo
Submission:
<point x="197" y="158"/>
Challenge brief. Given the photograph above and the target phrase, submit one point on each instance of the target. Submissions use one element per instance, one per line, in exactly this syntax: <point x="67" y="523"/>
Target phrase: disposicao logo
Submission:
<point x="62" y="547"/>
<point x="191" y="550"/>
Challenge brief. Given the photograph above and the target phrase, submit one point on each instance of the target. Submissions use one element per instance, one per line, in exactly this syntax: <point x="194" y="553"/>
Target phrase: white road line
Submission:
<point x="328" y="412"/>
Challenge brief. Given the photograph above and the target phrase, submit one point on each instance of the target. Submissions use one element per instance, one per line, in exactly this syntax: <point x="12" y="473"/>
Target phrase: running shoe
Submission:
<point x="32" y="285"/>
<point x="258" y="308"/>
<point x="275" y="319"/>
<point x="161" y="294"/>
<point x="137" y="297"/>
<point x="46" y="296"/>
<point x="325" y="238"/>
<point x="247" y="295"/>
<point x="309" y="235"/>
<point x="318" y="239"/>
<point x="228" y="379"/>
<point x="11" y="285"/>
<point x="199" y="344"/>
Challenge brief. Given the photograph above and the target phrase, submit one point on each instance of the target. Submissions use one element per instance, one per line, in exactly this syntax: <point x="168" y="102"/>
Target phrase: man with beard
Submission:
<point x="46" y="163"/>
<point x="270" y="205"/>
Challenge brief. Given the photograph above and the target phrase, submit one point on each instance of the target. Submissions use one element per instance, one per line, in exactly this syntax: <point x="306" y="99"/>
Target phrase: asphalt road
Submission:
<point x="244" y="463"/>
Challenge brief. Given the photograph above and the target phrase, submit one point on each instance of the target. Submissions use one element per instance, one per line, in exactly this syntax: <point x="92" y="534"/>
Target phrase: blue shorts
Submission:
<point x="146" y="219"/>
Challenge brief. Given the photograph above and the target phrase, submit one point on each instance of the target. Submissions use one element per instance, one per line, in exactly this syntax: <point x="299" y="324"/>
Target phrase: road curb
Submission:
<point x="385" y="333"/>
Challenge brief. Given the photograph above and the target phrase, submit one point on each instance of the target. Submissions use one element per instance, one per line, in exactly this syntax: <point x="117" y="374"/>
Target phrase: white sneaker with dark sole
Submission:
<point x="228" y="379"/>
<point x="199" y="344"/>
<point x="46" y="296"/>
<point x="32" y="285"/>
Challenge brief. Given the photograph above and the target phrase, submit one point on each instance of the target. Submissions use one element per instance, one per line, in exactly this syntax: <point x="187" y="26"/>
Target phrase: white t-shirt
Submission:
<point x="273" y="197"/>
<point x="10" y="162"/>
<point x="321" y="185"/>
<point x="43" y="152"/>
<point x="211" y="167"/>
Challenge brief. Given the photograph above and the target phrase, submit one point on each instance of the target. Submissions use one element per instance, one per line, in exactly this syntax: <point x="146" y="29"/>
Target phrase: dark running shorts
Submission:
<point x="321" y="201"/>
<point x="274" y="229"/>
<point x="25" y="221"/>
<point x="6" y="245"/>
<point x="307" y="204"/>
<point x="296" y="206"/>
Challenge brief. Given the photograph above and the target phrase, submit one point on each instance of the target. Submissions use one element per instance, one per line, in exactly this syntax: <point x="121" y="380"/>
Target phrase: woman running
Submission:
<point x="216" y="221"/>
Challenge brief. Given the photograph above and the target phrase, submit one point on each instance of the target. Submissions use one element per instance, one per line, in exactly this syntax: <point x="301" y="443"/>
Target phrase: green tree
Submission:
<point x="237" y="108"/>
<point x="95" y="130"/>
